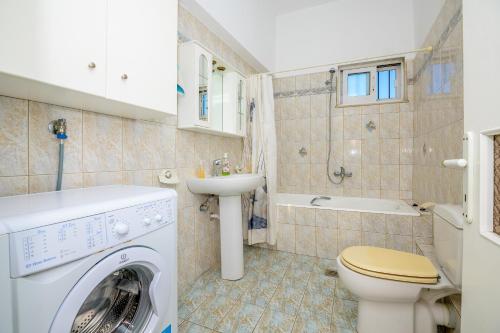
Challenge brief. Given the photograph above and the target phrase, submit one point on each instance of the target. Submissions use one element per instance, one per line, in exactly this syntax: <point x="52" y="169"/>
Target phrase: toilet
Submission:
<point x="398" y="290"/>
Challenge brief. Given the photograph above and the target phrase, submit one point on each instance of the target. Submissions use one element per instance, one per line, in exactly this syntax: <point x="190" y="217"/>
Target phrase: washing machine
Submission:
<point x="99" y="259"/>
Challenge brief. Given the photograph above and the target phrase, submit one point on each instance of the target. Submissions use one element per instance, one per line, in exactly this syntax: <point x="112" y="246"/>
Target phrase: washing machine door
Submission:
<point x="126" y="292"/>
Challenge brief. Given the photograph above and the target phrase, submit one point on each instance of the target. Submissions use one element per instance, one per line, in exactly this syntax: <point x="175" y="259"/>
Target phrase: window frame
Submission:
<point x="343" y="100"/>
<point x="359" y="99"/>
<point x="397" y="88"/>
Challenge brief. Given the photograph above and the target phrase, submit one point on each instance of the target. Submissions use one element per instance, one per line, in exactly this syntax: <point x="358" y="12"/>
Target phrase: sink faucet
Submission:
<point x="217" y="167"/>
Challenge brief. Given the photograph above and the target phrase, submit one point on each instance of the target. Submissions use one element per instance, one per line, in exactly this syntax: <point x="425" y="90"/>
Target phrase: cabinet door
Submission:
<point x="234" y="104"/>
<point x="142" y="53"/>
<point x="203" y="89"/>
<point x="59" y="42"/>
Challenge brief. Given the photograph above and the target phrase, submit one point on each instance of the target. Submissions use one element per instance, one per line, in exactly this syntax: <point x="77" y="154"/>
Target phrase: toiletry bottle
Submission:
<point x="200" y="173"/>
<point x="225" y="165"/>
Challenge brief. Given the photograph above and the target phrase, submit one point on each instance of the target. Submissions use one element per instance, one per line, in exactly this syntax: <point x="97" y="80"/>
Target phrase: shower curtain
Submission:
<point x="260" y="151"/>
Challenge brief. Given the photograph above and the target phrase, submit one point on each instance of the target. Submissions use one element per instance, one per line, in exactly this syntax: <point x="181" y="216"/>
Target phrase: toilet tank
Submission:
<point x="448" y="227"/>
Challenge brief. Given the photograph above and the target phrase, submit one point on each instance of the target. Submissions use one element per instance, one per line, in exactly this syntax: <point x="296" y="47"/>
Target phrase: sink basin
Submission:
<point x="229" y="190"/>
<point x="225" y="185"/>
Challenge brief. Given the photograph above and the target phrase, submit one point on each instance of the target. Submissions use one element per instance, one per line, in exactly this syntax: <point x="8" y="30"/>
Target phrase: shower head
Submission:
<point x="332" y="73"/>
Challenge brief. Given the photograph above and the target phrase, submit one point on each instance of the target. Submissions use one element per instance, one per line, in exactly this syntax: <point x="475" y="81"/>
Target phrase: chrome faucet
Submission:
<point x="217" y="167"/>
<point x="342" y="173"/>
<point x="313" y="201"/>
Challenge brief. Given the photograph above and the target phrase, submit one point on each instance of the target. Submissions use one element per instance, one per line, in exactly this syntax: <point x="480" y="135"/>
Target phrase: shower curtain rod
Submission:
<point x="424" y="49"/>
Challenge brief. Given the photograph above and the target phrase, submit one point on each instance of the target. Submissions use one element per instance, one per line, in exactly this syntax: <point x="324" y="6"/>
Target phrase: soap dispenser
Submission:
<point x="225" y="165"/>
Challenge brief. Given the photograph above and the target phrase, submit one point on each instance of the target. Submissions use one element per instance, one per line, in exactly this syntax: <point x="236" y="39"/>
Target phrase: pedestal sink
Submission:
<point x="229" y="190"/>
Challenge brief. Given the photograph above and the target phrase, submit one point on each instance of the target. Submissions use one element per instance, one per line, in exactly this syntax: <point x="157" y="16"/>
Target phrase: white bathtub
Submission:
<point x="364" y="205"/>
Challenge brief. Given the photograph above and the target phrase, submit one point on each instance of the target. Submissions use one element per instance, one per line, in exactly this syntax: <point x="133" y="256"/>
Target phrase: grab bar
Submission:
<point x="313" y="201"/>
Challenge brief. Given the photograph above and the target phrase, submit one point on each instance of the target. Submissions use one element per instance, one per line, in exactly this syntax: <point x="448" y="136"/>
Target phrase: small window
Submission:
<point x="378" y="83"/>
<point x="358" y="84"/>
<point x="386" y="82"/>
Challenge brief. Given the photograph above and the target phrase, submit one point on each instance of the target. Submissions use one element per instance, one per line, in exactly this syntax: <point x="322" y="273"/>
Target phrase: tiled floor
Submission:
<point x="280" y="292"/>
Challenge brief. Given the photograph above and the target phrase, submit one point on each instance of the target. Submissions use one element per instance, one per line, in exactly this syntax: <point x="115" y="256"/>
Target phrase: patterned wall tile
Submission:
<point x="44" y="148"/>
<point x="102" y="142"/>
<point x="438" y="110"/>
<point x="13" y="137"/>
<point x="13" y="185"/>
<point x="305" y="240"/>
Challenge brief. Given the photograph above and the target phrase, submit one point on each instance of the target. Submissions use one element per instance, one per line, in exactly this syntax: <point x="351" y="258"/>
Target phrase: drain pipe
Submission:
<point x="58" y="128"/>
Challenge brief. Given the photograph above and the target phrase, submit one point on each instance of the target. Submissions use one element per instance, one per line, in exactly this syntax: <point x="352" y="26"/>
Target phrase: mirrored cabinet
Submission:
<point x="214" y="100"/>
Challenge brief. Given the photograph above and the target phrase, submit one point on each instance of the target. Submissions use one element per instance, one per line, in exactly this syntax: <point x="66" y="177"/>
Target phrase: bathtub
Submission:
<point x="350" y="204"/>
<point x="327" y="228"/>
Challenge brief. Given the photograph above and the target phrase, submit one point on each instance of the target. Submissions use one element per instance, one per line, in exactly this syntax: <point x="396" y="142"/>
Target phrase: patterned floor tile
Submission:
<point x="261" y="294"/>
<point x="304" y="263"/>
<point x="287" y="299"/>
<point x="314" y="315"/>
<point x="345" y="313"/>
<point x="315" y="302"/>
<point x="280" y="292"/>
<point x="273" y="321"/>
<point x="343" y="292"/>
<point x="296" y="277"/>
<point x="324" y="265"/>
<point x="212" y="312"/>
<point x="272" y="275"/>
<point x="320" y="283"/>
<point x="338" y="329"/>
<point x="188" y="327"/>
<point x="194" y="298"/>
<point x="242" y="318"/>
<point x="311" y="325"/>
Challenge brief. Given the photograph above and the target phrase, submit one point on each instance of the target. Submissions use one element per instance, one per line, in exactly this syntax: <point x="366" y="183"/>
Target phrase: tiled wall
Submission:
<point x="104" y="150"/>
<point x="439" y="109"/>
<point x="381" y="160"/>
<point x="325" y="233"/>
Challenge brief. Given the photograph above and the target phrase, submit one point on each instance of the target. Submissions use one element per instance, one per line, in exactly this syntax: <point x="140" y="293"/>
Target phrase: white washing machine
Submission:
<point x="100" y="260"/>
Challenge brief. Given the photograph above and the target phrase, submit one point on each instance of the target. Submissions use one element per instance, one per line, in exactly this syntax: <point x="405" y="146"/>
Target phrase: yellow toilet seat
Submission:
<point x="389" y="264"/>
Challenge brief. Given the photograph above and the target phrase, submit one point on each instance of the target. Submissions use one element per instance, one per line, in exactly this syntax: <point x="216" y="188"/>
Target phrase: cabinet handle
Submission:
<point x="92" y="65"/>
<point x="124" y="76"/>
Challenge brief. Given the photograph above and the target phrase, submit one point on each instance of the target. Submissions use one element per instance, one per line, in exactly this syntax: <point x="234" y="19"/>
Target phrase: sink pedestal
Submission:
<point x="229" y="190"/>
<point x="231" y="237"/>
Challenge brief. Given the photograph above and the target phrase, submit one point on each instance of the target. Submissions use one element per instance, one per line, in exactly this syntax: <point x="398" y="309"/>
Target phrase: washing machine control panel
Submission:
<point x="41" y="248"/>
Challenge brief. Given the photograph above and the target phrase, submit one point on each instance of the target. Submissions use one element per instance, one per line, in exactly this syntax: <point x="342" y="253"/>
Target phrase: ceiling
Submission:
<point x="286" y="6"/>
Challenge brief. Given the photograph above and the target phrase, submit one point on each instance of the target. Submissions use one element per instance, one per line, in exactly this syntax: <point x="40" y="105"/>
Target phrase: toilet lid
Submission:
<point x="389" y="264"/>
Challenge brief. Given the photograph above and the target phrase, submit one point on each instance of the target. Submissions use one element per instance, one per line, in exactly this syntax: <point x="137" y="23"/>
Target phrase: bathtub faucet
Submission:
<point x="313" y="201"/>
<point x="342" y="173"/>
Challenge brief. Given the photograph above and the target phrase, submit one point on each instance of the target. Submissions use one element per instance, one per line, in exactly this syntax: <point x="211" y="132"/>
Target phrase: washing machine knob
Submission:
<point x="121" y="228"/>
<point x="158" y="217"/>
<point x="147" y="221"/>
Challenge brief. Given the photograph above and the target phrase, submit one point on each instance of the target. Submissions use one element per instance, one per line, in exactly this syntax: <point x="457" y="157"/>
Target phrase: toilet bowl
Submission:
<point x="398" y="290"/>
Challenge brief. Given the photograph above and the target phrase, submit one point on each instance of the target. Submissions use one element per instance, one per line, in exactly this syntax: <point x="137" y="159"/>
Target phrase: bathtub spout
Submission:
<point x="313" y="201"/>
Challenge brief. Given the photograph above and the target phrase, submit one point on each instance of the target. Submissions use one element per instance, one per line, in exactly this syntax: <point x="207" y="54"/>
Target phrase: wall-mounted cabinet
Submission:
<point x="214" y="100"/>
<point x="111" y="56"/>
<point x="195" y="76"/>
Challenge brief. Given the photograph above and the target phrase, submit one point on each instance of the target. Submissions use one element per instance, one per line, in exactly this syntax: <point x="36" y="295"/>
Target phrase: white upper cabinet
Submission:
<point x="59" y="42"/>
<point x="214" y="100"/>
<point x="142" y="36"/>
<point x="111" y="56"/>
